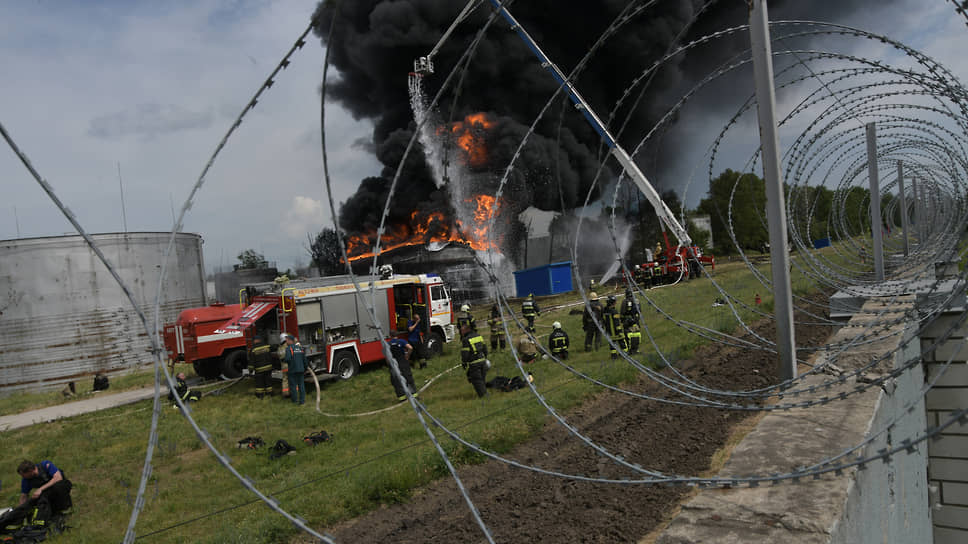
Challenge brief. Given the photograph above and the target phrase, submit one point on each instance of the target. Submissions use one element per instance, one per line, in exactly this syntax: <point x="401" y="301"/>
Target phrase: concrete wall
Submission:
<point x="948" y="457"/>
<point x="884" y="503"/>
<point x="888" y="502"/>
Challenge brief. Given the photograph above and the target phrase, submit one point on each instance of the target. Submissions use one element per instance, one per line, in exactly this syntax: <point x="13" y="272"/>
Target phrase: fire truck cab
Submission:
<point x="332" y="322"/>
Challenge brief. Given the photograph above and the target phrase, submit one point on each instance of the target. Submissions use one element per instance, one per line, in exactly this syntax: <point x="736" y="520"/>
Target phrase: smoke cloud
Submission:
<point x="375" y="43"/>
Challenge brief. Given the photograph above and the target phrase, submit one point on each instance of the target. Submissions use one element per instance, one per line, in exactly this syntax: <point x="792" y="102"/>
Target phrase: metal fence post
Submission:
<point x="876" y="223"/>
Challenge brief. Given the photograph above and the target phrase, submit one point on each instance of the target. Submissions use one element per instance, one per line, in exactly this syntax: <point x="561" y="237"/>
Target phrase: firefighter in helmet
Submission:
<point x="630" y="309"/>
<point x="464" y="317"/>
<point x="558" y="341"/>
<point x="260" y="365"/>
<point x="530" y="310"/>
<point x="593" y="336"/>
<point x="613" y="326"/>
<point x="497" y="326"/>
<point x="473" y="357"/>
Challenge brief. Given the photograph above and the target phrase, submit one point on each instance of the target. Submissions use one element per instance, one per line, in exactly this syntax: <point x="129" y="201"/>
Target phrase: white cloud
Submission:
<point x="304" y="216"/>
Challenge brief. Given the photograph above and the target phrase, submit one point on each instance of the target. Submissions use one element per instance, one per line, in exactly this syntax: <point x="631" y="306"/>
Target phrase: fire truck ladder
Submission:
<point x="631" y="169"/>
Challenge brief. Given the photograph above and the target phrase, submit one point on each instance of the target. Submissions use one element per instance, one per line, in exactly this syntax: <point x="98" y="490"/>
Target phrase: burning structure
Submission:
<point x="468" y="142"/>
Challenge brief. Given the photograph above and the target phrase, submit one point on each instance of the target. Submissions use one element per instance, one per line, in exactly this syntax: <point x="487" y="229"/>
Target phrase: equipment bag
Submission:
<point x="281" y="449"/>
<point x="315" y="438"/>
<point x="100" y="382"/>
<point x="250" y="443"/>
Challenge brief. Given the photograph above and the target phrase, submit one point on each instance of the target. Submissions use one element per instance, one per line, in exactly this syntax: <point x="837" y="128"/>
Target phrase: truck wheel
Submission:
<point x="434" y="345"/>
<point x="233" y="365"/>
<point x="346" y="366"/>
<point x="207" y="368"/>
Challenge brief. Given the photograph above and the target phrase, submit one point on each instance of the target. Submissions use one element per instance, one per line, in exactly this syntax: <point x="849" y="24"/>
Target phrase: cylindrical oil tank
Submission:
<point x="63" y="317"/>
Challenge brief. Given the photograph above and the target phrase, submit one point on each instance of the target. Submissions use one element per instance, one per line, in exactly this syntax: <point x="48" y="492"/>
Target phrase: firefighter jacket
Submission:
<point x="472" y="350"/>
<point x="613" y="322"/>
<point x="558" y="341"/>
<point x="587" y="323"/>
<point x="529" y="308"/>
<point x="495" y="322"/>
<point x="295" y="357"/>
<point x="630" y="310"/>
<point x="259" y="359"/>
<point x="466" y="318"/>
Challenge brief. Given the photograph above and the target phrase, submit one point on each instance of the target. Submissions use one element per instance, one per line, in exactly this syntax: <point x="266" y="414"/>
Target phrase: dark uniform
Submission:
<point x="630" y="309"/>
<point x="473" y="354"/>
<point x="53" y="501"/>
<point x="183" y="392"/>
<point x="613" y="326"/>
<point x="398" y="347"/>
<point x="656" y="274"/>
<point x="296" y="360"/>
<point x="497" y="329"/>
<point x="260" y="364"/>
<point x="558" y="343"/>
<point x="466" y="318"/>
<point x="593" y="336"/>
<point x="530" y="310"/>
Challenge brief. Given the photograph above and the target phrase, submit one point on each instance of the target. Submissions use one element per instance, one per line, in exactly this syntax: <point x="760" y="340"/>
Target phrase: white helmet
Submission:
<point x="283" y="336"/>
<point x="556" y="324"/>
<point x="465" y="308"/>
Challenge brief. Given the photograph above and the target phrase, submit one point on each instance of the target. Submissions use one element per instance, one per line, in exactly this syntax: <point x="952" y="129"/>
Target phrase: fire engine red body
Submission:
<point x="327" y="316"/>
<point x="675" y="263"/>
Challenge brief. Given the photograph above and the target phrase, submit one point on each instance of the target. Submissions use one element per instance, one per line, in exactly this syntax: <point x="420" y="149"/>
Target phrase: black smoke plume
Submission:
<point x="375" y="42"/>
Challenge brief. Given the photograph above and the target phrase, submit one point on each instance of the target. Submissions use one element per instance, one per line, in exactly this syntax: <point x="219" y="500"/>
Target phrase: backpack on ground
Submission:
<point x="101" y="382"/>
<point x="281" y="449"/>
<point x="250" y="443"/>
<point x="315" y="438"/>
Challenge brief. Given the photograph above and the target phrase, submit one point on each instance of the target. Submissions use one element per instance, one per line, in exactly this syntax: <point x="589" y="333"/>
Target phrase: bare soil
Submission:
<point x="522" y="506"/>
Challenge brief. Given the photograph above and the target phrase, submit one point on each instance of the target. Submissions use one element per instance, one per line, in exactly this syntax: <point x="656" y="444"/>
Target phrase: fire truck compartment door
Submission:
<point x="251" y="314"/>
<point x="369" y="332"/>
<point x="339" y="310"/>
<point x="308" y="312"/>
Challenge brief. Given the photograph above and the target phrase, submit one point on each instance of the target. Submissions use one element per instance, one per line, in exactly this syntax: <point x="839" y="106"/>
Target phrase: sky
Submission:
<point x="153" y="86"/>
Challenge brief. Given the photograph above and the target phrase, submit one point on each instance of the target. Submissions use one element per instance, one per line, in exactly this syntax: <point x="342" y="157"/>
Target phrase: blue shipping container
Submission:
<point x="550" y="279"/>
<point x="822" y="242"/>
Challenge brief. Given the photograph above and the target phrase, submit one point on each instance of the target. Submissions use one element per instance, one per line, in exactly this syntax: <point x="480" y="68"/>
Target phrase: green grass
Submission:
<point x="21" y="401"/>
<point x="373" y="460"/>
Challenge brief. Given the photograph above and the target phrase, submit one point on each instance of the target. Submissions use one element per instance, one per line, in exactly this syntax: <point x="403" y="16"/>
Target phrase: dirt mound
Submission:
<point x="522" y="506"/>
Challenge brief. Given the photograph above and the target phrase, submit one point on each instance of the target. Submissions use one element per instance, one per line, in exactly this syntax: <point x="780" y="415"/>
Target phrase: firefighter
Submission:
<point x="558" y="341"/>
<point x="634" y="337"/>
<point x="415" y="339"/>
<point x="260" y="365"/>
<point x="182" y="390"/>
<point x="656" y="274"/>
<point x="465" y="318"/>
<point x="527" y="349"/>
<point x="593" y="336"/>
<point x="295" y="357"/>
<point x="497" y="329"/>
<point x="630" y="309"/>
<point x="613" y="326"/>
<point x="45" y="494"/>
<point x="473" y="357"/>
<point x="530" y="310"/>
<point x="402" y="351"/>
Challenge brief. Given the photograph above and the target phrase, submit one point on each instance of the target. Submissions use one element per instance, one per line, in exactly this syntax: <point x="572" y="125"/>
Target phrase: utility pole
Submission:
<point x="124" y="217"/>
<point x="775" y="207"/>
<point x="904" y="217"/>
<point x="875" y="202"/>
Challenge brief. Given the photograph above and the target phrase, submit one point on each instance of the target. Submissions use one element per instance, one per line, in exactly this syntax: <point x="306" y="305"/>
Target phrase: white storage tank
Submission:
<point x="64" y="318"/>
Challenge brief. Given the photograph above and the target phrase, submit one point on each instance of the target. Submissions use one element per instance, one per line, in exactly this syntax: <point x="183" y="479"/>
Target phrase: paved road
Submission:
<point x="99" y="401"/>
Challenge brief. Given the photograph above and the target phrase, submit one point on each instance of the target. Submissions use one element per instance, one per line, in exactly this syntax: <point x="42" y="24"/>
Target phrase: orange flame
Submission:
<point x="432" y="227"/>
<point x="470" y="135"/>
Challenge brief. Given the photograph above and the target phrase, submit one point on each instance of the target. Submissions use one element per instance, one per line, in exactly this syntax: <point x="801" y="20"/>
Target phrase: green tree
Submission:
<point x="748" y="218"/>
<point x="700" y="237"/>
<point x="326" y="253"/>
<point x="250" y="258"/>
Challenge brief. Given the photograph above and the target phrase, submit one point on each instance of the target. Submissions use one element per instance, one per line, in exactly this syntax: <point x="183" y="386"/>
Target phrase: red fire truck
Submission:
<point x="326" y="315"/>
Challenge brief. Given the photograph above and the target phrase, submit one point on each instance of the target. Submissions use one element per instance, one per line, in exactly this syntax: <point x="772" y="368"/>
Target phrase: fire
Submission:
<point x="470" y="135"/>
<point x="432" y="227"/>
